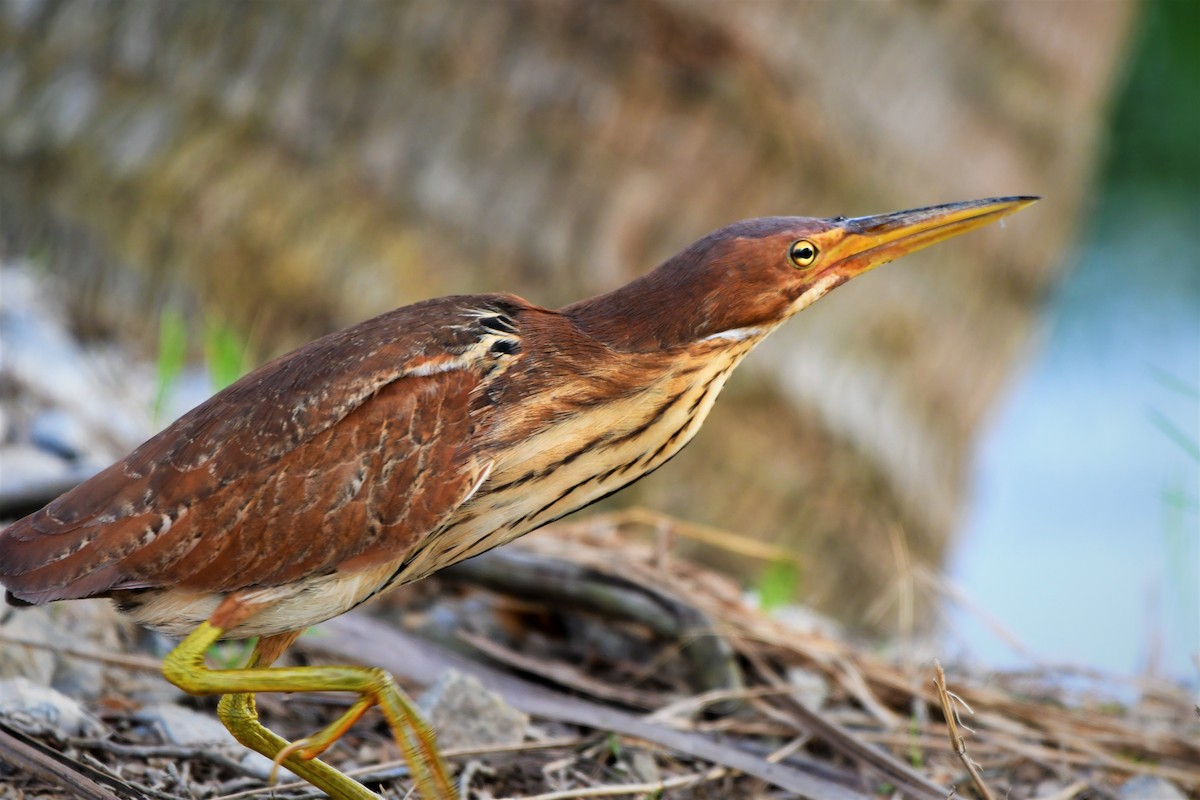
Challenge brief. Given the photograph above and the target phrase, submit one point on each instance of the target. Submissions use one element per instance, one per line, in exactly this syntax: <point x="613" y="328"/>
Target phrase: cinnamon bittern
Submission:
<point x="377" y="455"/>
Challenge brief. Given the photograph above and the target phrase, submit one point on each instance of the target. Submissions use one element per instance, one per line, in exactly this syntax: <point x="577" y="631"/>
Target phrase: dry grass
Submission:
<point x="725" y="720"/>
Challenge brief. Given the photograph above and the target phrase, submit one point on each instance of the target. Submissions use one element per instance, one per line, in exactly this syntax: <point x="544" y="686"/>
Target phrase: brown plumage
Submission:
<point x="366" y="448"/>
<point x="382" y="453"/>
<point x="344" y="436"/>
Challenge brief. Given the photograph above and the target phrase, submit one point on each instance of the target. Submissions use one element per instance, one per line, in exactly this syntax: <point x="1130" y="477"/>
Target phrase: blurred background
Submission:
<point x="216" y="183"/>
<point x="1086" y="477"/>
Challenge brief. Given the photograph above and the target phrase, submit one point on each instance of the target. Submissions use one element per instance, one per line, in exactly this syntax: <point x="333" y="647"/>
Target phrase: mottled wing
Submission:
<point x="344" y="453"/>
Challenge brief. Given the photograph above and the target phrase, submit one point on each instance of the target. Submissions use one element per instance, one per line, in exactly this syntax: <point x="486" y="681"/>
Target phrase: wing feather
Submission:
<point x="352" y="448"/>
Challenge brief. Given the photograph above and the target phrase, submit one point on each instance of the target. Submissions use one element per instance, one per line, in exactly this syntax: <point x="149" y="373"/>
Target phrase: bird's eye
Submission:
<point x="803" y="253"/>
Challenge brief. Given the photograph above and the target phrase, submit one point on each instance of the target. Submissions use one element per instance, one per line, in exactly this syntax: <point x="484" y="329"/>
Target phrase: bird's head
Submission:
<point x="742" y="280"/>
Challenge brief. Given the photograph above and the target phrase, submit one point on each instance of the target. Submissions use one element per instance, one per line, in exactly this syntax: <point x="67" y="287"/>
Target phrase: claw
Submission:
<point x="312" y="746"/>
<point x="298" y="749"/>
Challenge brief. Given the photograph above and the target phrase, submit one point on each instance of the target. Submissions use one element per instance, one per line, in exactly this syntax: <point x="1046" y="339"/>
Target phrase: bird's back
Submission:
<point x="294" y="470"/>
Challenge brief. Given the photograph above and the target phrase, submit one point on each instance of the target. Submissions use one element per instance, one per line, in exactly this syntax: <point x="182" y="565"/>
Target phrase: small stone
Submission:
<point x="180" y="725"/>
<point x="465" y="714"/>
<point x="184" y="726"/>
<point x="1148" y="787"/>
<point x="22" y="699"/>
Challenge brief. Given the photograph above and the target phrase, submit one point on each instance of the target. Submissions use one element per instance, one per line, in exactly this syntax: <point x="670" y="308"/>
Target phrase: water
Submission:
<point x="1083" y="536"/>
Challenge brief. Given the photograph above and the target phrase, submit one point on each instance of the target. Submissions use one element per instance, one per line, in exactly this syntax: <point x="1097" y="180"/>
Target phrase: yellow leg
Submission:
<point x="238" y="713"/>
<point x="184" y="667"/>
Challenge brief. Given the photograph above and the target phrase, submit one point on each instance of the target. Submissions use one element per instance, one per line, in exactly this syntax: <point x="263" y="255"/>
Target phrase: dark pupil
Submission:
<point x="804" y="253"/>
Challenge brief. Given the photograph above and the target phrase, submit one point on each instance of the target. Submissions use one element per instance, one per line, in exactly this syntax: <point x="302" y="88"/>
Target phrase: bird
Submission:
<point x="379" y="454"/>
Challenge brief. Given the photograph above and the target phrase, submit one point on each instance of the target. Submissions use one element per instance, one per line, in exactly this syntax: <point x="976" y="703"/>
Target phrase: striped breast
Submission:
<point x="586" y="454"/>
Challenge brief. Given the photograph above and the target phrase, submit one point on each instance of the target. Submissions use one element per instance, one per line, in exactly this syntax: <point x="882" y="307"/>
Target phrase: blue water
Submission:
<point x="1083" y="537"/>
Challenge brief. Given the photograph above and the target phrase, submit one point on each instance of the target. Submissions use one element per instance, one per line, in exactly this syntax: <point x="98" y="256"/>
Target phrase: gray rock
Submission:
<point x="22" y="699"/>
<point x="184" y="726"/>
<point x="180" y="725"/>
<point x="1147" y="787"/>
<point x="465" y="714"/>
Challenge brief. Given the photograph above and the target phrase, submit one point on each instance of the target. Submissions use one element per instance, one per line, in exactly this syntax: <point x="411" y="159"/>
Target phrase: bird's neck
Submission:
<point x="640" y="316"/>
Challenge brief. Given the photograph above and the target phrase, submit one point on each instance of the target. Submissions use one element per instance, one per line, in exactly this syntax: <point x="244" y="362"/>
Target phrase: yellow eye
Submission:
<point x="803" y="253"/>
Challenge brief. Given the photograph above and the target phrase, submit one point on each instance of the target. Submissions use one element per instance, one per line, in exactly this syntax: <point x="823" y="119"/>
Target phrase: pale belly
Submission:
<point x="177" y="612"/>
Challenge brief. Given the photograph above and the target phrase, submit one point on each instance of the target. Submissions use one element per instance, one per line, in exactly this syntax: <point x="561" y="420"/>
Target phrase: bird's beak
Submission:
<point x="872" y="241"/>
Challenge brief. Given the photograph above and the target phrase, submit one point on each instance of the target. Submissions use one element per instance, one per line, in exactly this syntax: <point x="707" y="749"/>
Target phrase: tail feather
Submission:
<point x="13" y="600"/>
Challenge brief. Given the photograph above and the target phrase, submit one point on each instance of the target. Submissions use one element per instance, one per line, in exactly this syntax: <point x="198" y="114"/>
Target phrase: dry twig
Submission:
<point x="950" y="703"/>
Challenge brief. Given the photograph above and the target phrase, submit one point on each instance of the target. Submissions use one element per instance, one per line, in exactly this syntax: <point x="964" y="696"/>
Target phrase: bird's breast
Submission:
<point x="586" y="453"/>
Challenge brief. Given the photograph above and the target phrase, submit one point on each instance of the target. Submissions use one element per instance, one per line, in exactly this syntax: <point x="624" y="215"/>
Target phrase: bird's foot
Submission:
<point x="185" y="667"/>
<point x="312" y="746"/>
